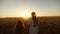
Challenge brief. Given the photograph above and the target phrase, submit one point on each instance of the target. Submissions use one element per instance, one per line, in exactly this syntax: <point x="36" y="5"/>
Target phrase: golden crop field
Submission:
<point x="47" y="25"/>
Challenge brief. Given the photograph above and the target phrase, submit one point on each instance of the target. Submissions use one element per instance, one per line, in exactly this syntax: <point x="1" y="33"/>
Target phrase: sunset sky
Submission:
<point x="21" y="8"/>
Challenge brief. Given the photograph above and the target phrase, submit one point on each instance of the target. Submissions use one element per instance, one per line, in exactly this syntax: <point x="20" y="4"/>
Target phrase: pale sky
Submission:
<point x="18" y="8"/>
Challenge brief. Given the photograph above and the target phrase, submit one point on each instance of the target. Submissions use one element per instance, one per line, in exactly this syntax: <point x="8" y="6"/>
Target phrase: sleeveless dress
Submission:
<point x="32" y="29"/>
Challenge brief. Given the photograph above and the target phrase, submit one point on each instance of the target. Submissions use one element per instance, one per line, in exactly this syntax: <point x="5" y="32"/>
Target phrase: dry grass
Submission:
<point x="47" y="25"/>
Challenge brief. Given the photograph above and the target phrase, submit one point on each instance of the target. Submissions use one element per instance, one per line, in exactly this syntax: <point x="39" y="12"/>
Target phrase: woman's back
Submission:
<point x="33" y="23"/>
<point x="19" y="27"/>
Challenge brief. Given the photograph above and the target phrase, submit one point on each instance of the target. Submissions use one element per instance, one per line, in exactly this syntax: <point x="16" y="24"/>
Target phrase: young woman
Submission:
<point x="33" y="24"/>
<point x="19" y="27"/>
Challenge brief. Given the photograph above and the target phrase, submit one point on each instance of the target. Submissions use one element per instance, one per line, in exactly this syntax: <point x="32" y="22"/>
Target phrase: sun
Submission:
<point x="25" y="15"/>
<point x="25" y="12"/>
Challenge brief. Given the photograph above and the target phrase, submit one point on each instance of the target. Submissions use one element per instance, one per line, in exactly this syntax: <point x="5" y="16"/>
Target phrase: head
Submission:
<point x="20" y="22"/>
<point x="33" y="14"/>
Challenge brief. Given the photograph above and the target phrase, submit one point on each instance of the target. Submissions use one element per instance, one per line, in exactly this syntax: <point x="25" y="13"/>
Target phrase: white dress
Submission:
<point x="32" y="29"/>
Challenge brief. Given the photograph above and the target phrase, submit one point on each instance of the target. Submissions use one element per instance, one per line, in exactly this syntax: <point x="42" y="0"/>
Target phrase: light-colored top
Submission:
<point x="32" y="29"/>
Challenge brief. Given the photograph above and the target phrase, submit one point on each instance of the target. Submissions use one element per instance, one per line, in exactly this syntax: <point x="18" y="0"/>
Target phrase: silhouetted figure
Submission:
<point x="33" y="24"/>
<point x="34" y="18"/>
<point x="19" y="28"/>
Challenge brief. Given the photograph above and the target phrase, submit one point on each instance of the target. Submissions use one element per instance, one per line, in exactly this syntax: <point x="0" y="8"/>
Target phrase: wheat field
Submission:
<point x="47" y="25"/>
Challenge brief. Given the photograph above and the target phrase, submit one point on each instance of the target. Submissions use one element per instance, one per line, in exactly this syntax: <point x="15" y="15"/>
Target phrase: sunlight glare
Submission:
<point x="24" y="15"/>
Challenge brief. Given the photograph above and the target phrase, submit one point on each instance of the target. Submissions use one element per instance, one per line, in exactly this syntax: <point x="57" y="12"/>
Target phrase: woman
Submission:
<point x="19" y="28"/>
<point x="33" y="24"/>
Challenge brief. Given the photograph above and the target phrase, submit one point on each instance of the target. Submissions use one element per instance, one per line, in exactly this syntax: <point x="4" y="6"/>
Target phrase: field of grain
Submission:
<point x="47" y="25"/>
